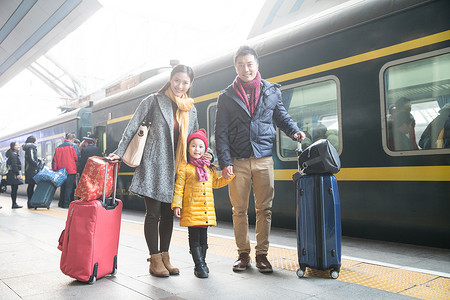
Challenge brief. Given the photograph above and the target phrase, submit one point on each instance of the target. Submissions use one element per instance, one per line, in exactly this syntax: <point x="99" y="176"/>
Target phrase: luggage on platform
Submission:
<point x="43" y="195"/>
<point x="318" y="213"/>
<point x="319" y="158"/>
<point x="91" y="185"/>
<point x="90" y="240"/>
<point x="318" y="224"/>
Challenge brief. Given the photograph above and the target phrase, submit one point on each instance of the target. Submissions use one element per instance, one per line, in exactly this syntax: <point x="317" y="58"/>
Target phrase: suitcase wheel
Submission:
<point x="300" y="273"/>
<point x="334" y="274"/>
<point x="92" y="280"/>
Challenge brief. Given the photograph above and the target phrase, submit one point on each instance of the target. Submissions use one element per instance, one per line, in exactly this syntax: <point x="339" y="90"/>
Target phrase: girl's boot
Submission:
<point x="166" y="261"/>
<point x="204" y="248"/>
<point x="157" y="267"/>
<point x="200" y="266"/>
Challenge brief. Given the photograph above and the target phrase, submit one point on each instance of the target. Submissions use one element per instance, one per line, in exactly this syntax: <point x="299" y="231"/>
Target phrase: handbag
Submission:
<point x="319" y="158"/>
<point x="4" y="168"/>
<point x="133" y="155"/>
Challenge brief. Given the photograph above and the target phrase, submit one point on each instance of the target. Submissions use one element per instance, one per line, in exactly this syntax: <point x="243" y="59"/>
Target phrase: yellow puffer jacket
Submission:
<point x="195" y="198"/>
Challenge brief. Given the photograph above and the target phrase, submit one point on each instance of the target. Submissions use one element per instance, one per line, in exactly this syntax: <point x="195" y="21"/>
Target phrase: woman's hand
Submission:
<point x="114" y="156"/>
<point x="177" y="212"/>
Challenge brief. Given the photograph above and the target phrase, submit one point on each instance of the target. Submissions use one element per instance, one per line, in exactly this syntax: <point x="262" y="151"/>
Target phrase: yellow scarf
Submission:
<point x="184" y="105"/>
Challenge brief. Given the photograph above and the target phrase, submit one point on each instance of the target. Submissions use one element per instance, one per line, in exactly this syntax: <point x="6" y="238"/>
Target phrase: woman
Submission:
<point x="32" y="164"/>
<point x="13" y="178"/>
<point x="173" y="118"/>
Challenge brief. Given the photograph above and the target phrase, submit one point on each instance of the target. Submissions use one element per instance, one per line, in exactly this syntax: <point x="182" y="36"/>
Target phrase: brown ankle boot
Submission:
<point x="157" y="266"/>
<point x="166" y="261"/>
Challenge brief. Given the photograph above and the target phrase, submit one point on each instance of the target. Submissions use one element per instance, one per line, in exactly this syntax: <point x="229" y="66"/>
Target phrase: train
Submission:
<point x="341" y="74"/>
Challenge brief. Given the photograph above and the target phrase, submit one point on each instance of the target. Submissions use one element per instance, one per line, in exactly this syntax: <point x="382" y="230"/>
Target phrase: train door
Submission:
<point x="100" y="131"/>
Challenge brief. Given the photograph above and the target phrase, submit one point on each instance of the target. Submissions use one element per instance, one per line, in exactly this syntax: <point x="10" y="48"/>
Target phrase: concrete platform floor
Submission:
<point x="29" y="266"/>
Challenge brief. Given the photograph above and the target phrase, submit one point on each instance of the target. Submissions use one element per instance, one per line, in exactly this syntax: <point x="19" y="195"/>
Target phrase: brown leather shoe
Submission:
<point x="242" y="263"/>
<point x="263" y="264"/>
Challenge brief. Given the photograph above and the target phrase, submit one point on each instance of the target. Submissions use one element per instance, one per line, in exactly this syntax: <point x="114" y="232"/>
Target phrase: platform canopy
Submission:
<point x="30" y="28"/>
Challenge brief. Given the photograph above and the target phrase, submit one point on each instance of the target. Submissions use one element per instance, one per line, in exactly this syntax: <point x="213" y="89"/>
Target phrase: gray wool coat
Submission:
<point x="155" y="177"/>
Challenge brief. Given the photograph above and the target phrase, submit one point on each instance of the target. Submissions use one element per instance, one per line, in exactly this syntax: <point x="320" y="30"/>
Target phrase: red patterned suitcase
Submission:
<point x="90" y="240"/>
<point x="91" y="184"/>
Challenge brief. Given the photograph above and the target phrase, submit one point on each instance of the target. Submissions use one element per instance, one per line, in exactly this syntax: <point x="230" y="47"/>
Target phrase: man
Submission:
<point x="66" y="156"/>
<point x="244" y="140"/>
<point x="89" y="149"/>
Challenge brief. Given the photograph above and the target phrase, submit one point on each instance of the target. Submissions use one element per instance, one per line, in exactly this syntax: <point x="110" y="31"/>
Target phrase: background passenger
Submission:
<point x="14" y="177"/>
<point x="32" y="164"/>
<point x="429" y="137"/>
<point x="90" y="149"/>
<point x="67" y="156"/>
<point x="404" y="104"/>
<point x="402" y="125"/>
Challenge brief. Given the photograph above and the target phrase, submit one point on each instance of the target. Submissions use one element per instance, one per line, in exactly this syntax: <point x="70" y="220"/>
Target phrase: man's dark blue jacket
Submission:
<point x="238" y="135"/>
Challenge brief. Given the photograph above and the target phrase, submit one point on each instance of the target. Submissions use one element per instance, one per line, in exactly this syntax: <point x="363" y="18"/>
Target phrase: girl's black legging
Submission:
<point x="198" y="236"/>
<point x="158" y="219"/>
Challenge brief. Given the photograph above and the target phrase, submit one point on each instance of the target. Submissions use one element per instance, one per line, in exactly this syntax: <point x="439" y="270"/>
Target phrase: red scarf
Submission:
<point x="254" y="86"/>
<point x="199" y="165"/>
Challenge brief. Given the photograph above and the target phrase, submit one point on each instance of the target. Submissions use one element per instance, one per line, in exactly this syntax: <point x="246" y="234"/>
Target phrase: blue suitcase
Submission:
<point x="43" y="195"/>
<point x="318" y="223"/>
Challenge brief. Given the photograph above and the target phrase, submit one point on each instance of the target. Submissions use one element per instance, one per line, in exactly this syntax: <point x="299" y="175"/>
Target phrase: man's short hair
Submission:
<point x="70" y="136"/>
<point x="245" y="50"/>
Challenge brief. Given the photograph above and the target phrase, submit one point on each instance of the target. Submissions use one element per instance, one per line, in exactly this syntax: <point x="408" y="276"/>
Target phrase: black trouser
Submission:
<point x="66" y="191"/>
<point x="14" y="188"/>
<point x="158" y="218"/>
<point x="30" y="189"/>
<point x="198" y="236"/>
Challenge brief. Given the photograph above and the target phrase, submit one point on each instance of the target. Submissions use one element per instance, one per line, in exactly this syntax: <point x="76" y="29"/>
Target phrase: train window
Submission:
<point x="48" y="154"/>
<point x="58" y="142"/>
<point x="39" y="149"/>
<point x="417" y="104"/>
<point x="314" y="106"/>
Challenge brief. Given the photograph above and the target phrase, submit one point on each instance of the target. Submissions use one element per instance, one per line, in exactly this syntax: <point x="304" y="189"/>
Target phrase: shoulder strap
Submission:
<point x="147" y="118"/>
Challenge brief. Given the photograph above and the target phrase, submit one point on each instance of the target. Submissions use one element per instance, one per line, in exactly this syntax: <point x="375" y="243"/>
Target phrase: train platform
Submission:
<point x="29" y="266"/>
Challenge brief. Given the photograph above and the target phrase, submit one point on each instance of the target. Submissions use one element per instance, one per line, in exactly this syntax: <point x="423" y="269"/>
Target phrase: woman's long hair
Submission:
<point x="11" y="146"/>
<point x="179" y="69"/>
<point x="30" y="139"/>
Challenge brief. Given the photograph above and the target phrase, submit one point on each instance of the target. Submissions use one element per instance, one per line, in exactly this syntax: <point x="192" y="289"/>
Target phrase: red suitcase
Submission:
<point x="90" y="240"/>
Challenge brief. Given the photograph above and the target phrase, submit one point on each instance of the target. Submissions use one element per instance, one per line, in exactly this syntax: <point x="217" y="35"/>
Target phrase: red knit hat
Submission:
<point x="200" y="134"/>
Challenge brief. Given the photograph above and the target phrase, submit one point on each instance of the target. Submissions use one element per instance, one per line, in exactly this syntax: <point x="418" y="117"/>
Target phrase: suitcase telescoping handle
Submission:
<point x="116" y="170"/>
<point x="299" y="151"/>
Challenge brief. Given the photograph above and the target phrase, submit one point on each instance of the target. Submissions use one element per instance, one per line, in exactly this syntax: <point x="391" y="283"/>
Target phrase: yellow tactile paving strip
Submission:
<point x="404" y="282"/>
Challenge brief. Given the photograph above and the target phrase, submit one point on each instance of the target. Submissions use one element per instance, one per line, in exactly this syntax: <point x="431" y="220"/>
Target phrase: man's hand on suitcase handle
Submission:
<point x="299" y="136"/>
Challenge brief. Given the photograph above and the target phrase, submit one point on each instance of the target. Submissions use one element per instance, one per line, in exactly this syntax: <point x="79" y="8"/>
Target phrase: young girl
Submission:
<point x="193" y="198"/>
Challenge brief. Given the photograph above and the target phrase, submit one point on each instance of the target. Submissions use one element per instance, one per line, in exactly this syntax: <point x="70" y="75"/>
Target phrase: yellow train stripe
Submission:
<point x="413" y="44"/>
<point x="116" y="120"/>
<point x="207" y="97"/>
<point x="426" y="173"/>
